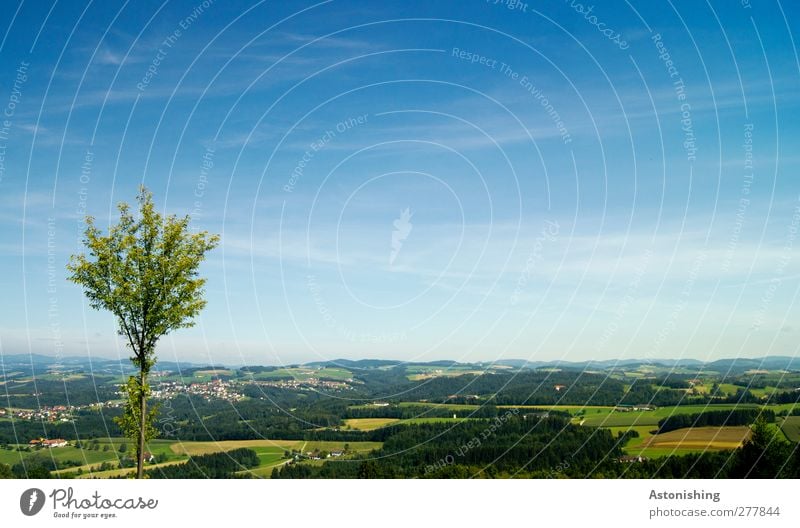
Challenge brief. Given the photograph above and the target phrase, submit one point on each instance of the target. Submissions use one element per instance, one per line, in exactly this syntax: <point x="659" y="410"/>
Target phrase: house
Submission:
<point x="536" y="415"/>
<point x="559" y="388"/>
<point x="42" y="442"/>
<point x="632" y="459"/>
<point x="149" y="457"/>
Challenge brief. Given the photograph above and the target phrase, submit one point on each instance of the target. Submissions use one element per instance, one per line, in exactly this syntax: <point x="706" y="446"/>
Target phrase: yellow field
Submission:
<point x="700" y="438"/>
<point x="204" y="448"/>
<point x="369" y="424"/>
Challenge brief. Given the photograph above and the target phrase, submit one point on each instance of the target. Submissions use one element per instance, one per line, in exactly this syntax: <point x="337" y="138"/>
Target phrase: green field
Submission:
<point x="693" y="439"/>
<point x="433" y="420"/>
<point x="369" y="424"/>
<point x="202" y="448"/>
<point x="791" y="428"/>
<point x="87" y="458"/>
<point x="303" y="374"/>
<point x="423" y="372"/>
<point x="270" y="453"/>
<point x="612" y="418"/>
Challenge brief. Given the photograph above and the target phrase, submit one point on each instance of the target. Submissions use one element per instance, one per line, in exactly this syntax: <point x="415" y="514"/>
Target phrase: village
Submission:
<point x="220" y="389"/>
<point x="303" y="384"/>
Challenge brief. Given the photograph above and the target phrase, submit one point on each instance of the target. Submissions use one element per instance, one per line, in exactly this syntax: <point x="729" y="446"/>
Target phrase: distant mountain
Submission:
<point x="37" y="363"/>
<point x="765" y="363"/>
<point x="355" y="364"/>
<point x="598" y="364"/>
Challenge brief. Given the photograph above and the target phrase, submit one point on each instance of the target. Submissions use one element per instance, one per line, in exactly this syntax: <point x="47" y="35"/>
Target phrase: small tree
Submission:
<point x="145" y="272"/>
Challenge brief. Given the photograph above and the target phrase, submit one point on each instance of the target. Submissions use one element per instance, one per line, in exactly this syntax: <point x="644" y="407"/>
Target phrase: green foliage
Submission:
<point x="211" y="466"/>
<point x="36" y="466"/>
<point x="130" y="420"/>
<point x="714" y="418"/>
<point x="5" y="472"/>
<point x="145" y="272"/>
<point x="766" y="454"/>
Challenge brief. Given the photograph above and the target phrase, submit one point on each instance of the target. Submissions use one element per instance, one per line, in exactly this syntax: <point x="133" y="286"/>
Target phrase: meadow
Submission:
<point x="270" y="453"/>
<point x="791" y="428"/>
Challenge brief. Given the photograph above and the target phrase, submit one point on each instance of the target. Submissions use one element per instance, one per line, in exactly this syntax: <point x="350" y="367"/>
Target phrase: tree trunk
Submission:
<point x="142" y="425"/>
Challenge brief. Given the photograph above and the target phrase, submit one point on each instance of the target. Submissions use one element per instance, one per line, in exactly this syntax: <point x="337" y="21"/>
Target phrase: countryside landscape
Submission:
<point x="390" y="419"/>
<point x="261" y="241"/>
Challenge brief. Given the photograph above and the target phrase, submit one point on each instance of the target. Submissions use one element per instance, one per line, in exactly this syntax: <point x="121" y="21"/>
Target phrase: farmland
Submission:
<point x="294" y="429"/>
<point x="369" y="424"/>
<point x="87" y="461"/>
<point x="690" y="440"/>
<point x="304" y="374"/>
<point x="791" y="428"/>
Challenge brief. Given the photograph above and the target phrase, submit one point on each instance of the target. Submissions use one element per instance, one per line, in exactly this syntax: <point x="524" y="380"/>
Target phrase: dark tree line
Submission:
<point x="492" y="447"/>
<point x="714" y="418"/>
<point x="213" y="466"/>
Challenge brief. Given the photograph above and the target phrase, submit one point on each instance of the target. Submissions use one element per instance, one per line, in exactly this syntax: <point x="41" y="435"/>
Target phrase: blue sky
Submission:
<point x="613" y="182"/>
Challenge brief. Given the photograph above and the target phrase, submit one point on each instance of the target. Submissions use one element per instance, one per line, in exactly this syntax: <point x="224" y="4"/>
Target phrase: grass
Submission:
<point x="203" y="448"/>
<point x="433" y="420"/>
<point x="791" y="428"/>
<point x="303" y="374"/>
<point x="645" y="432"/>
<point x="119" y="472"/>
<point x="60" y="454"/>
<point x="612" y="418"/>
<point x="214" y="373"/>
<point x="369" y="424"/>
<point x="442" y="373"/>
<point x="270" y="454"/>
<point x="572" y="409"/>
<point x="692" y="439"/>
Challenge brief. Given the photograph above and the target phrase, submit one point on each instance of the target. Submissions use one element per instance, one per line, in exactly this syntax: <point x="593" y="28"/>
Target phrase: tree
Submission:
<point x="765" y="454"/>
<point x="145" y="272"/>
